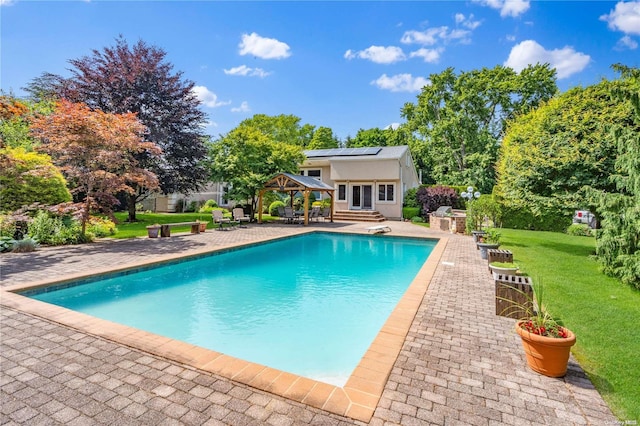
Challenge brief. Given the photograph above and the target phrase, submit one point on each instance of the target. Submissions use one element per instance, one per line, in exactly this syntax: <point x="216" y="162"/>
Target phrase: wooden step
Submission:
<point x="359" y="215"/>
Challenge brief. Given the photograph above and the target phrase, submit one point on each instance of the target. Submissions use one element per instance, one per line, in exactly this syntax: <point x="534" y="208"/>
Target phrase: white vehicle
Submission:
<point x="586" y="217"/>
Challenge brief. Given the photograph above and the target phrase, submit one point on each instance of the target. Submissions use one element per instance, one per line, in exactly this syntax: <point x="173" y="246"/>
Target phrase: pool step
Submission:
<point x="359" y="215"/>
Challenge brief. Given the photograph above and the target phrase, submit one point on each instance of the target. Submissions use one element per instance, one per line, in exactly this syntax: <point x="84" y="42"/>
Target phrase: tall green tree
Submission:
<point x="461" y="119"/>
<point x="121" y="79"/>
<point x="323" y="138"/>
<point x="618" y="242"/>
<point x="246" y="158"/>
<point x="550" y="156"/>
<point x="281" y="128"/>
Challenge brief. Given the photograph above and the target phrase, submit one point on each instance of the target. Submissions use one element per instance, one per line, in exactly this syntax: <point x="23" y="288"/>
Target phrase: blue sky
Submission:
<point x="344" y="65"/>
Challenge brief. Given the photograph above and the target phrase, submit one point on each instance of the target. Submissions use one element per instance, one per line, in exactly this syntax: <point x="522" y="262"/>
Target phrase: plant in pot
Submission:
<point x="153" y="230"/>
<point x="491" y="240"/>
<point x="202" y="224"/>
<point x="546" y="343"/>
<point x="504" y="268"/>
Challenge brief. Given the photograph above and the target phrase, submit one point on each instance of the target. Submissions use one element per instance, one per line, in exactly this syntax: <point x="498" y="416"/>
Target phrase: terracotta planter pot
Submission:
<point x="203" y="226"/>
<point x="547" y="355"/>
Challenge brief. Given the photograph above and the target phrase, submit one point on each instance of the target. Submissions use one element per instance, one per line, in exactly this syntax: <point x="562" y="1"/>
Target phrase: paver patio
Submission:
<point x="460" y="363"/>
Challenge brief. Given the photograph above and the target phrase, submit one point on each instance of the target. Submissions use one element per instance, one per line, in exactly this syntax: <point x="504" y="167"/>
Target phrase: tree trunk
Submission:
<point x="131" y="204"/>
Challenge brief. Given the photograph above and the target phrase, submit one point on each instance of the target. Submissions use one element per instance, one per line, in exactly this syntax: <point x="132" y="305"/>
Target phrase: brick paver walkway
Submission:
<point x="460" y="364"/>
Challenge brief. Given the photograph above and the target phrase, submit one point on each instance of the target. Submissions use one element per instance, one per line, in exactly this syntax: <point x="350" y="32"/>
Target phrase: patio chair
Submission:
<point x="281" y="213"/>
<point x="314" y="214"/>
<point x="290" y="215"/>
<point x="219" y="219"/>
<point x="325" y="213"/>
<point x="239" y="216"/>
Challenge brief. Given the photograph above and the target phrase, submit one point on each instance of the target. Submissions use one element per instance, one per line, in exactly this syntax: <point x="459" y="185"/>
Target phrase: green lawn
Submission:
<point x="138" y="229"/>
<point x="603" y="312"/>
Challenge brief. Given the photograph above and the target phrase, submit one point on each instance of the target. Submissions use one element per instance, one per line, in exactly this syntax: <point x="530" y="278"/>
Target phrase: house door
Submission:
<point x="361" y="197"/>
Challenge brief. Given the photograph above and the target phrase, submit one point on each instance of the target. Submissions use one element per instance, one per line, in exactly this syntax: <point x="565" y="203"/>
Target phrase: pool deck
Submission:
<point x="458" y="363"/>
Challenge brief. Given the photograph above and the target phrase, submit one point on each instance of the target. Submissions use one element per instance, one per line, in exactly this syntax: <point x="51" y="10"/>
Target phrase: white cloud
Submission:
<point x="400" y="83"/>
<point x="625" y="17"/>
<point x="262" y="47"/>
<point x="378" y="54"/>
<point x="507" y="7"/>
<point x="467" y="22"/>
<point x="566" y="61"/>
<point x="626" y="42"/>
<point x="6" y="2"/>
<point x="207" y="97"/>
<point x="431" y="36"/>
<point x="245" y="71"/>
<point x="393" y="126"/>
<point x="429" y="55"/>
<point x="244" y="107"/>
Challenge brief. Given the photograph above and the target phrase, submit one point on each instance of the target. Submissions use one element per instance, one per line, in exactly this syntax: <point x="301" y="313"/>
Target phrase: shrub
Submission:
<point x="433" y="197"/>
<point x="580" y="230"/>
<point x="417" y="219"/>
<point x="56" y="230"/>
<point x="410" y="212"/>
<point x="6" y="244"/>
<point x="29" y="177"/>
<point x="410" y="198"/>
<point x="25" y="245"/>
<point x="101" y="227"/>
<point x="273" y="208"/>
<point x="208" y="206"/>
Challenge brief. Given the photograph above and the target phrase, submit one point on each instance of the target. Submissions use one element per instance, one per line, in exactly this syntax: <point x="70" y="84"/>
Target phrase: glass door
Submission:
<point x="362" y="197"/>
<point x="356" y="197"/>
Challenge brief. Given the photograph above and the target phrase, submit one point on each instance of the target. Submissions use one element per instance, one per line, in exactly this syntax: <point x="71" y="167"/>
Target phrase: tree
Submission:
<point x="323" y="138"/>
<point x="29" y="177"/>
<point x="550" y="156"/>
<point x="462" y="118"/>
<point x="618" y="242"/>
<point x="369" y="137"/>
<point x="246" y="158"/>
<point x="97" y="152"/>
<point x="15" y="116"/>
<point x="281" y="128"/>
<point x="138" y="79"/>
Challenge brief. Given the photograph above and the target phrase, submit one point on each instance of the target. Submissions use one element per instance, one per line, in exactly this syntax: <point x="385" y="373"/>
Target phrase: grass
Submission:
<point x="602" y="312"/>
<point x="138" y="229"/>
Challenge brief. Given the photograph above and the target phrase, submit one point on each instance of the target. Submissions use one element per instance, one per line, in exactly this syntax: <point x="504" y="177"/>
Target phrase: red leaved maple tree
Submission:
<point x="96" y="151"/>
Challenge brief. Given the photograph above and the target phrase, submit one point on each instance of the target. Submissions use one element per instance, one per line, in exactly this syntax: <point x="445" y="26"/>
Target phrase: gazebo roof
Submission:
<point x="291" y="182"/>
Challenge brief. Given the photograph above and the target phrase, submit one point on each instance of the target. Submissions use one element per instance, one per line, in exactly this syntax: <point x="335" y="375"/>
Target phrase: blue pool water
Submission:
<point x="310" y="305"/>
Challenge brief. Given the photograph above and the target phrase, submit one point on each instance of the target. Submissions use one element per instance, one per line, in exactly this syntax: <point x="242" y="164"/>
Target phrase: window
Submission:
<point x="314" y="173"/>
<point x="386" y="192"/>
<point x="342" y="192"/>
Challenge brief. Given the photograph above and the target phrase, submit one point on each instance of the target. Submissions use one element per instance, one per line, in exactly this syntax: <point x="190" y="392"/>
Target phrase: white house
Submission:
<point x="372" y="178"/>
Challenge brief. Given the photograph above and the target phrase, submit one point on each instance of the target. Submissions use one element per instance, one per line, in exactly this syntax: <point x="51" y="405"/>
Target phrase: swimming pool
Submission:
<point x="309" y="305"/>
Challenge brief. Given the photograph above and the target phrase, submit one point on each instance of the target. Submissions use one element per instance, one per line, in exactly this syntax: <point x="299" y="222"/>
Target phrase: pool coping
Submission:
<point x="357" y="399"/>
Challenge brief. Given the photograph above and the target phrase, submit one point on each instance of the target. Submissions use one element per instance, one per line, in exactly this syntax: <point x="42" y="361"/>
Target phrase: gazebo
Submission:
<point x="287" y="182"/>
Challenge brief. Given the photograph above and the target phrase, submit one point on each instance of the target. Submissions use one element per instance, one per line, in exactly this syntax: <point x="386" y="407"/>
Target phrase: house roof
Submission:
<point x="291" y="182"/>
<point x="366" y="153"/>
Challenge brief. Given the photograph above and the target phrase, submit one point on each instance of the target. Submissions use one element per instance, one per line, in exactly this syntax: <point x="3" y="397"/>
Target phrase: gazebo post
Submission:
<point x="306" y="207"/>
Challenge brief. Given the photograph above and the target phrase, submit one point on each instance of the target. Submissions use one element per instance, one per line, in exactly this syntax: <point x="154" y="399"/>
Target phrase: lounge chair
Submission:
<point x="219" y="218"/>
<point x="281" y="213"/>
<point x="239" y="216"/>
